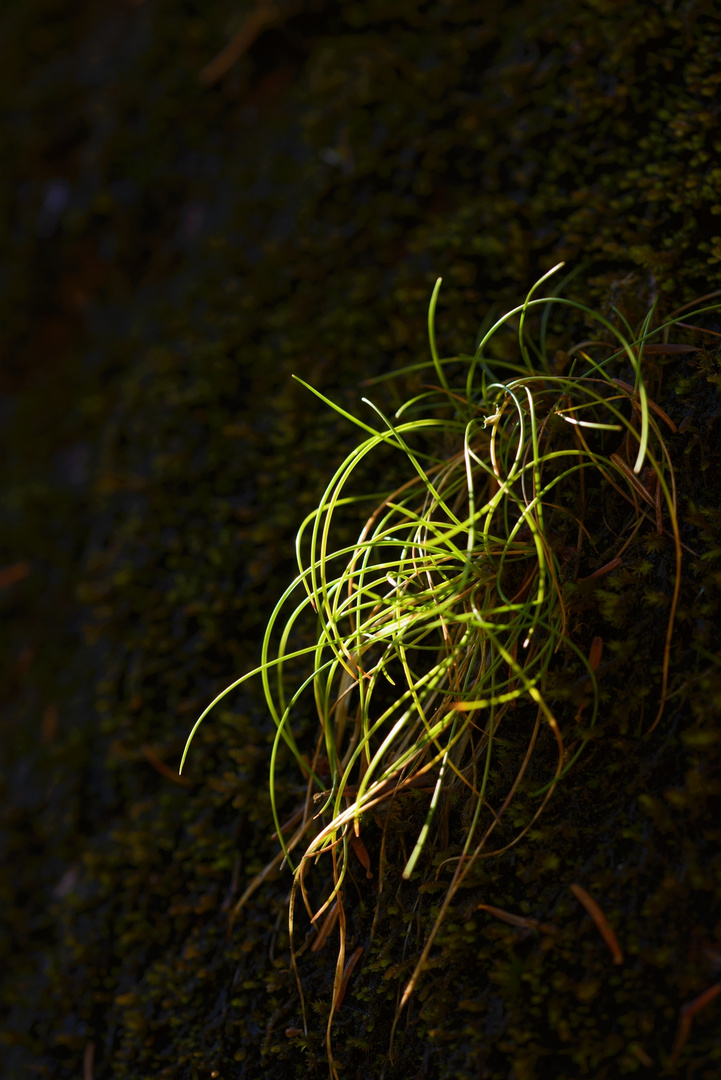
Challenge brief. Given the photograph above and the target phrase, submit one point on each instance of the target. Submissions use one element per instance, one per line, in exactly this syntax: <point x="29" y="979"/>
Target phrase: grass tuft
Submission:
<point x="446" y="613"/>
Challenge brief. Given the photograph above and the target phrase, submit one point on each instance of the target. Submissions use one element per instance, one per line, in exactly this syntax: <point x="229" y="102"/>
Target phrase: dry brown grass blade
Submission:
<point x="10" y="575"/>
<point x="605" y="569"/>
<point x="595" y="653"/>
<point x="633" y="480"/>
<point x="668" y="350"/>
<point x="521" y="921"/>
<point x="361" y="853"/>
<point x="699" y="329"/>
<point x="293" y="953"/>
<point x="326" y="928"/>
<point x="338" y="989"/>
<point x="652" y="404"/>
<point x="693" y="303"/>
<point x="604" y="927"/>
<point x="686" y="1015"/>
<point x="670" y="495"/>
<point x="638" y="1052"/>
<point x="347" y="972"/>
<point x="88" y="1061"/>
<point x="266" y="871"/>
<point x="165" y="770"/>
<point x="290" y="822"/>
<point x="464" y="865"/>
<point x="381" y="877"/>
<point x="264" y="14"/>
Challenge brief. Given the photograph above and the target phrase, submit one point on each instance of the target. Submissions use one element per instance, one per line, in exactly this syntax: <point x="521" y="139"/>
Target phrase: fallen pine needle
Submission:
<point x="516" y="920"/>
<point x="257" y="20"/>
<point x="160" y="766"/>
<point x="640" y="1053"/>
<point x="9" y="575"/>
<point x="595" y="653"/>
<point x="686" y="1015"/>
<point x="604" y="928"/>
<point x="603" y="569"/>
<point x="88" y="1061"/>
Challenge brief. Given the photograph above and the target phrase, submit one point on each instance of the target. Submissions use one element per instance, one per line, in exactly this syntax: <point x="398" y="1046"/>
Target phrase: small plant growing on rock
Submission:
<point x="447" y="611"/>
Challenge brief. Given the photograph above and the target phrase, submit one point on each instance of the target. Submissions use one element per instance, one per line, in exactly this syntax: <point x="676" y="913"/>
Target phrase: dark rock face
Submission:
<point x="173" y="252"/>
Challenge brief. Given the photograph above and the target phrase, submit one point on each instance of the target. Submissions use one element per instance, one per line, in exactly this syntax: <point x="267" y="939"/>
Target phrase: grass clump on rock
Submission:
<point x="441" y="625"/>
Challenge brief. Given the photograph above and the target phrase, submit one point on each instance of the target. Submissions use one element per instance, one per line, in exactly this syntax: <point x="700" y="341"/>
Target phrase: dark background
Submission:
<point x="175" y="244"/>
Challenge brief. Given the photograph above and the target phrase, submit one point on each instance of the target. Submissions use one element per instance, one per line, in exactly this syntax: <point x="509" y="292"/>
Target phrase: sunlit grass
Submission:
<point x="447" y="610"/>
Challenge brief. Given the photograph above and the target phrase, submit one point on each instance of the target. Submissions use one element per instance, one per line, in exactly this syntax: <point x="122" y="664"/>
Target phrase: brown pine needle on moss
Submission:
<point x="686" y="1015"/>
<point x="609" y="566"/>
<point x="604" y="927"/>
<point x="639" y="1052"/>
<point x="164" y="769"/>
<point x="261" y="17"/>
<point x="521" y="921"/>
